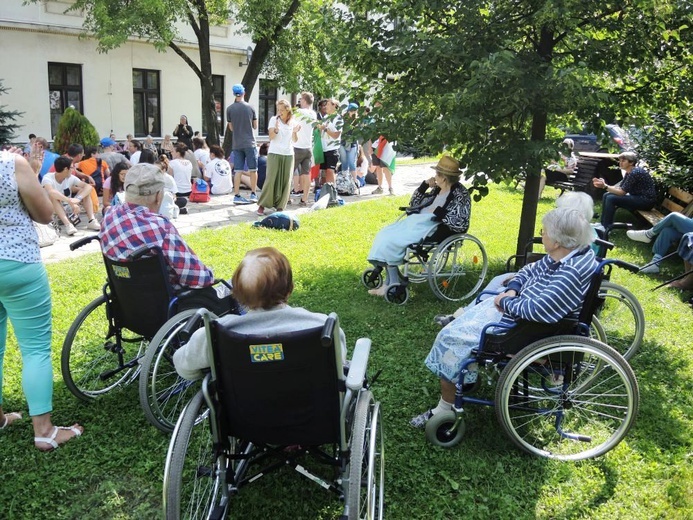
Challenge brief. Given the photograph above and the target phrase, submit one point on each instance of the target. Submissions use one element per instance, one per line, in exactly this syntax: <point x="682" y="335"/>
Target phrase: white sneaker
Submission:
<point x="639" y="236"/>
<point x="94" y="225"/>
<point x="70" y="230"/>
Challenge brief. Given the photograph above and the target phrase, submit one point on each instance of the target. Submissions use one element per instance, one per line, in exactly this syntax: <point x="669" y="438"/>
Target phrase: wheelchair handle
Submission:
<point x="143" y="250"/>
<point x="328" y="331"/>
<point x="620" y="263"/>
<point x="82" y="242"/>
<point x="604" y="243"/>
<point x="192" y="324"/>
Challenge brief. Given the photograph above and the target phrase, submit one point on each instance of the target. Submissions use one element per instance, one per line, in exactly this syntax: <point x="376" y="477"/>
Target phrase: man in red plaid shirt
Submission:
<point x="135" y="223"/>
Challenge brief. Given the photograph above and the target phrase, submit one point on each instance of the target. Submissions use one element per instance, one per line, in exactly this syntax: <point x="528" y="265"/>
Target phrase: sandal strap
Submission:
<point x="51" y="440"/>
<point x="7" y="419"/>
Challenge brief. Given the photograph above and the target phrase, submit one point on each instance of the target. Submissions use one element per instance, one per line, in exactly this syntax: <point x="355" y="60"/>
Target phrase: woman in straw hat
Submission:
<point x="440" y="204"/>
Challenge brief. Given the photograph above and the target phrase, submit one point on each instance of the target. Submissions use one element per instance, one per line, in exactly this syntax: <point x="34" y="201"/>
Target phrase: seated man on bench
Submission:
<point x="635" y="191"/>
<point x="136" y="223"/>
<point x="263" y="282"/>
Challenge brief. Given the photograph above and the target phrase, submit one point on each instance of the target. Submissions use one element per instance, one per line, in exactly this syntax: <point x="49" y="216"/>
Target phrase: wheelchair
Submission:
<point x="272" y="402"/>
<point x="453" y="264"/>
<point x="118" y="337"/>
<point x="620" y="315"/>
<point x="560" y="394"/>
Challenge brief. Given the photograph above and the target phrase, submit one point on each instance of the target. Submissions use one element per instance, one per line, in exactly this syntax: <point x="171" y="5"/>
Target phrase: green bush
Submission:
<point x="6" y="116"/>
<point x="667" y="146"/>
<point x="73" y="127"/>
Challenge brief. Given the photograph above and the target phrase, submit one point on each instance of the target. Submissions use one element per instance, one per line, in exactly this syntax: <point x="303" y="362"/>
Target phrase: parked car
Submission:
<point x="591" y="143"/>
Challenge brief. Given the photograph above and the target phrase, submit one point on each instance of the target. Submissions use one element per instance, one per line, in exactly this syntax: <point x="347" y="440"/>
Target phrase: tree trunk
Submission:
<point x="528" y="217"/>
<point x="263" y="48"/>
<point x="209" y="114"/>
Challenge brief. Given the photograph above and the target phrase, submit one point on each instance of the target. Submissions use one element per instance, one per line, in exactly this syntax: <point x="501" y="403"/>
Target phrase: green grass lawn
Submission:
<point x="114" y="470"/>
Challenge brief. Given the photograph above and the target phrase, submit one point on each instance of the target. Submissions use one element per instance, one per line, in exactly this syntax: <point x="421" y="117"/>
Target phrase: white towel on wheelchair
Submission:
<point x="456" y="340"/>
<point x="390" y="244"/>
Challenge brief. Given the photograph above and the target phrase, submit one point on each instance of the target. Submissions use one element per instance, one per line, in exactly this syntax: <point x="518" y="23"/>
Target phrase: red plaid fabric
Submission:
<point x="127" y="227"/>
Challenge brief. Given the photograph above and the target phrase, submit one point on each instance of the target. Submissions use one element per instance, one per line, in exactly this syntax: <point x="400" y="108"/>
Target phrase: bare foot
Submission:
<point x="8" y="418"/>
<point x="380" y="291"/>
<point x="57" y="436"/>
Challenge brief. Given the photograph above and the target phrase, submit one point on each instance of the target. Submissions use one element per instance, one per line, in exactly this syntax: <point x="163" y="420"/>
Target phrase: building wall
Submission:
<point x="31" y="36"/>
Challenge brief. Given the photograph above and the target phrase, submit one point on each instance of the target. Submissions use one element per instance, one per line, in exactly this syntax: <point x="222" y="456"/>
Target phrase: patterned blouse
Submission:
<point x="456" y="211"/>
<point x="18" y="238"/>
<point x="639" y="183"/>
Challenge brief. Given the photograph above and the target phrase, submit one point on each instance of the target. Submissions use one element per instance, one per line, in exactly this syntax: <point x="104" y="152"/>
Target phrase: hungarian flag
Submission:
<point x="386" y="153"/>
<point x="318" y="155"/>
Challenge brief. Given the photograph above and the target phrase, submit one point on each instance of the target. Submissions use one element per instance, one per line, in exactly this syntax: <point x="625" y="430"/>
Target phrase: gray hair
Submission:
<point x="569" y="143"/>
<point x="567" y="227"/>
<point x="631" y="157"/>
<point x="579" y="201"/>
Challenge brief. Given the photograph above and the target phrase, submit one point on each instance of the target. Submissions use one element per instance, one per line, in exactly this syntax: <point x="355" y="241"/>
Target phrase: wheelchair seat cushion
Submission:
<point x="216" y="299"/>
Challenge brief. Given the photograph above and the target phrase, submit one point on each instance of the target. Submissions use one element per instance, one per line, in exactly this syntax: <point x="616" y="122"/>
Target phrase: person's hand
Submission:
<point x="598" y="182"/>
<point x="502" y="295"/>
<point x="297" y="129"/>
<point x="431" y="182"/>
<point x="16" y="150"/>
<point x="74" y="204"/>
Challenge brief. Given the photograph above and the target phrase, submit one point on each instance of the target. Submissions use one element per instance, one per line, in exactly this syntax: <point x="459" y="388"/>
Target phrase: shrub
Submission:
<point x="667" y="145"/>
<point x="6" y="116"/>
<point x="73" y="127"/>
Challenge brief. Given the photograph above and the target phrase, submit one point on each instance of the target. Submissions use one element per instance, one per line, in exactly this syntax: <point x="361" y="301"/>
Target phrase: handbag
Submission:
<point x="47" y="235"/>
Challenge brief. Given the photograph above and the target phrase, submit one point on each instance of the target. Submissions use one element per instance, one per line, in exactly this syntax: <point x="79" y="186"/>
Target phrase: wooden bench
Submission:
<point x="675" y="201"/>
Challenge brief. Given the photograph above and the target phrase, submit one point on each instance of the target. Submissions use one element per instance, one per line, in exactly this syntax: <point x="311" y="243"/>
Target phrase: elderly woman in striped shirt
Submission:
<point x="545" y="291"/>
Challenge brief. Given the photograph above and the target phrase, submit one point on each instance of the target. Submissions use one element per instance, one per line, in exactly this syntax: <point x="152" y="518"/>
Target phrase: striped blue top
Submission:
<point x="548" y="291"/>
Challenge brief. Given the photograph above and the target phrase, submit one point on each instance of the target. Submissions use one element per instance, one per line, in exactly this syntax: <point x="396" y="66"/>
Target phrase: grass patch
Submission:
<point x="411" y="161"/>
<point x="114" y="471"/>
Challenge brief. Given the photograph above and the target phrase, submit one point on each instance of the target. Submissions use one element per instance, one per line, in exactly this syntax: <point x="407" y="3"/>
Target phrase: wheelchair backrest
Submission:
<point x="280" y="390"/>
<point x="140" y="293"/>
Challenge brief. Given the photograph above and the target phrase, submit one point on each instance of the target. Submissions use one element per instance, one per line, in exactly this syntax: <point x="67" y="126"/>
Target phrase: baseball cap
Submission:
<point x="144" y="179"/>
<point x="353" y="106"/>
<point x="107" y="141"/>
<point x="238" y="89"/>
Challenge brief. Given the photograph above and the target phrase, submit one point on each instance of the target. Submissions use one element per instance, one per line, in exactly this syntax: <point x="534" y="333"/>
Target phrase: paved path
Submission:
<point x="220" y="212"/>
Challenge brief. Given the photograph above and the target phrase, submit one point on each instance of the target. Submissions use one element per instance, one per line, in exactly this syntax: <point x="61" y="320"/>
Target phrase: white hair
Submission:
<point x="568" y="227"/>
<point x="579" y="201"/>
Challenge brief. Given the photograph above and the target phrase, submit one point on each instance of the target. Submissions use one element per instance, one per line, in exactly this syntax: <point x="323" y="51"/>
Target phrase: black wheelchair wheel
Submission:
<point x="193" y="476"/>
<point x="94" y="363"/>
<point x="163" y="393"/>
<point x="398" y="294"/>
<point x="365" y="494"/>
<point x="567" y="398"/>
<point x="622" y="318"/>
<point x="439" y="429"/>
<point x="372" y="278"/>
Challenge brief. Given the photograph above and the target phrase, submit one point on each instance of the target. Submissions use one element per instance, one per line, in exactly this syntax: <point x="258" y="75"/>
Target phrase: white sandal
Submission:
<point x="51" y="440"/>
<point x="7" y="420"/>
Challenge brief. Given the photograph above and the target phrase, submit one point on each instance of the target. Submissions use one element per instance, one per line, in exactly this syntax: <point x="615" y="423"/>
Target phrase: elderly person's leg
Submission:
<point x="451" y="348"/>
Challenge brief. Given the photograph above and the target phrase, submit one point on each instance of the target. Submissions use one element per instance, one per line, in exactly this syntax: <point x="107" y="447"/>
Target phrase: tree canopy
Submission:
<point x="498" y="83"/>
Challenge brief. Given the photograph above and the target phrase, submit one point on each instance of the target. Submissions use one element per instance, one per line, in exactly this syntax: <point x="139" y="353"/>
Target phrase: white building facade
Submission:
<point x="130" y="90"/>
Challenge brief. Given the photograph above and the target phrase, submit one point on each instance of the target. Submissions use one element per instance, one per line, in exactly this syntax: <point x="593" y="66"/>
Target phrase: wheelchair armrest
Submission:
<point x="478" y="296"/>
<point x="82" y="242"/>
<point x="358" y="365"/>
<point x="620" y="263"/>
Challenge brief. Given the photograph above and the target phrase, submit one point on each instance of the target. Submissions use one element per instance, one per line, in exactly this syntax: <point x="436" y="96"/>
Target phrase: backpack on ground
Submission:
<point x="200" y="191"/>
<point x="345" y="184"/>
<point x="329" y="188"/>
